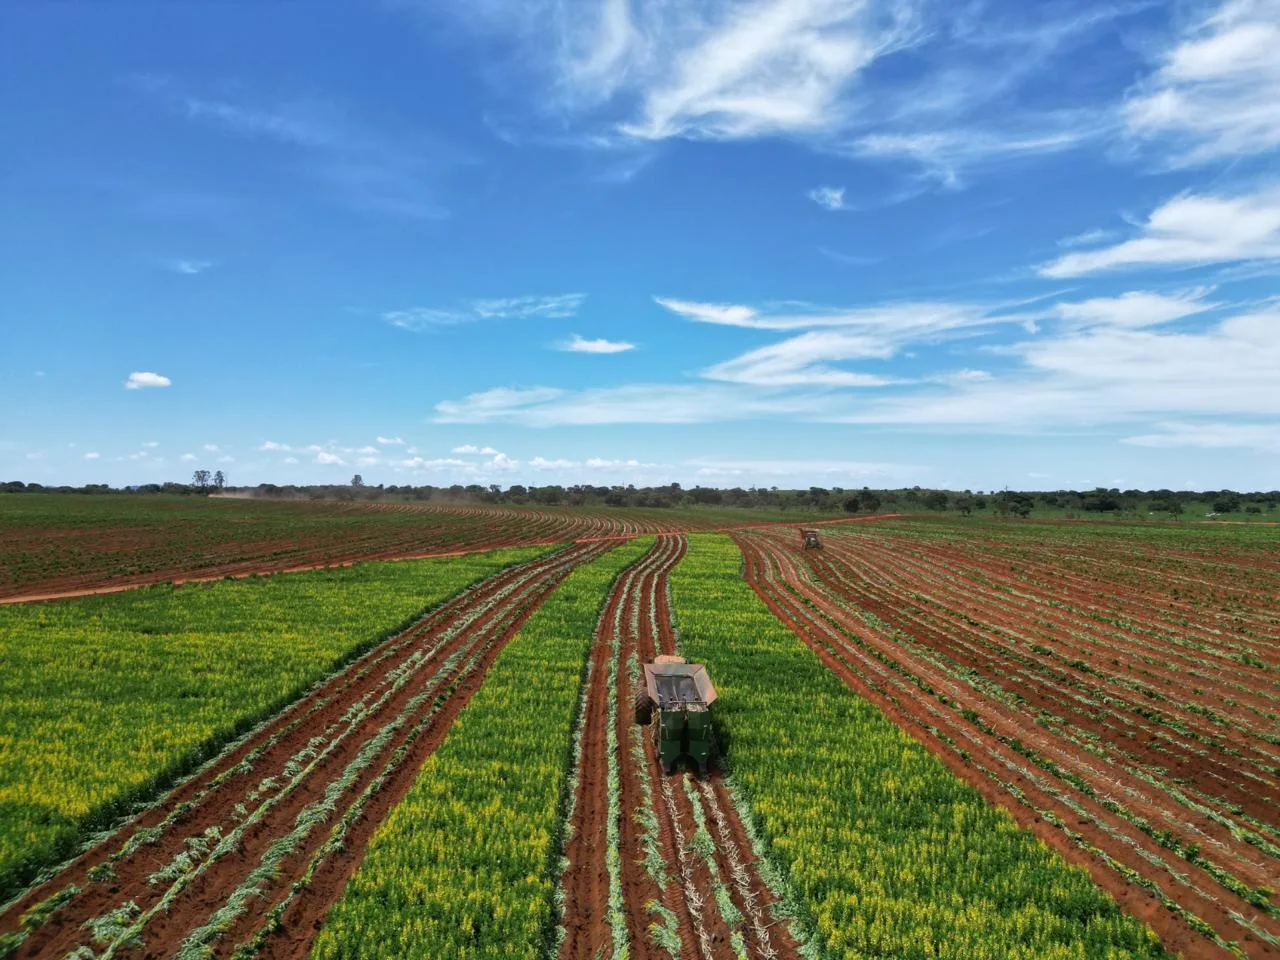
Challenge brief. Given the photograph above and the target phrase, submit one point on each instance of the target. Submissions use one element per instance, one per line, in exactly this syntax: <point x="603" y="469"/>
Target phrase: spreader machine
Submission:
<point x="680" y="694"/>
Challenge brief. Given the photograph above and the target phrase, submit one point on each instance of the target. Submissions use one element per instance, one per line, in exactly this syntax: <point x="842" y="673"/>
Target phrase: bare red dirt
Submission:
<point x="956" y="670"/>
<point x="638" y="623"/>
<point x="341" y="756"/>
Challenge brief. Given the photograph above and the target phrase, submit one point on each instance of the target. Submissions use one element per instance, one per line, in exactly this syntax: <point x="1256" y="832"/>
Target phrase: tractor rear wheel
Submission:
<point x="644" y="708"/>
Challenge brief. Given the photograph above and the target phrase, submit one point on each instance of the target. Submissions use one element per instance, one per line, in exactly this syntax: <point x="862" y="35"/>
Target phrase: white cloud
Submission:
<point x="1135" y="309"/>
<point x="368" y="451"/>
<point x="211" y="447"/>
<point x="1217" y="92"/>
<point x="829" y="198"/>
<point x="188" y="458"/>
<point x="290" y="460"/>
<point x="1262" y="437"/>
<point x="36" y="455"/>
<point x="226" y="459"/>
<point x="632" y="403"/>
<point x="326" y="458"/>
<point x="471" y="448"/>
<point x="542" y="463"/>
<point x="580" y="345"/>
<point x="1189" y="230"/>
<point x="391" y="441"/>
<point x="142" y="379"/>
<point x="830" y="472"/>
<point x="1109" y="375"/>
<point x="419" y="319"/>
<point x="272" y="445"/>
<point x="803" y="360"/>
<point x="151" y="444"/>
<point x="188" y="267"/>
<point x="1088" y="238"/>
<point x="561" y="305"/>
<point x="92" y="456"/>
<point x="892" y="322"/>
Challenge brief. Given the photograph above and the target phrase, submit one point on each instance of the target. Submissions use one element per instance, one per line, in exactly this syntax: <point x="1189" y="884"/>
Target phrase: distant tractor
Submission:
<point x="681" y="694"/>
<point x="809" y="540"/>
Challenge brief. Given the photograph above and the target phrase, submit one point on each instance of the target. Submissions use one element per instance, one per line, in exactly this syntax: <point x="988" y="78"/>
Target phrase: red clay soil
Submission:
<point x="640" y="621"/>
<point x="408" y="689"/>
<point x="859" y="656"/>
<point x="302" y="559"/>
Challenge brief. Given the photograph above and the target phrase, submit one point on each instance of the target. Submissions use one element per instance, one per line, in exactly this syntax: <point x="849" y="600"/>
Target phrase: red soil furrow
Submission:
<point x="586" y="881"/>
<point x="1190" y="761"/>
<point x="897" y="606"/>
<point x="517" y="528"/>
<point x="1105" y="579"/>
<point x="1142" y="609"/>
<point x="1156" y="807"/>
<point x="431" y="660"/>
<point x="909" y="707"/>
<point x="763" y="938"/>
<point x="1026" y="601"/>
<point x="275" y="742"/>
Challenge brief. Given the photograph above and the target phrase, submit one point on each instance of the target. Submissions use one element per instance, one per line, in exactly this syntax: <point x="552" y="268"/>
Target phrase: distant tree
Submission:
<point x="936" y="500"/>
<point x="851" y="505"/>
<point x="1169" y="505"/>
<point x="219" y="480"/>
<point x="964" y="505"/>
<point x="868" y="501"/>
<point x="357" y="481"/>
<point x="200" y="479"/>
<point x="1228" y="503"/>
<point x="980" y="503"/>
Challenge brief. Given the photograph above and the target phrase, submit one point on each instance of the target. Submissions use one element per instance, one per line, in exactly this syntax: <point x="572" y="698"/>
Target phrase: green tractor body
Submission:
<point x="680" y="694"/>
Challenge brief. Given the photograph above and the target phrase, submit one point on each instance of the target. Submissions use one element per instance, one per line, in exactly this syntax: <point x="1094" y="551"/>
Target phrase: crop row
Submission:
<point x="107" y="699"/>
<point x="465" y="864"/>
<point x="889" y="852"/>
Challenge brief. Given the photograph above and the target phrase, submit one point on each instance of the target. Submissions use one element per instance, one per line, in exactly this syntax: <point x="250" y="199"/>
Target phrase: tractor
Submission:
<point x="681" y="694"/>
<point x="809" y="540"/>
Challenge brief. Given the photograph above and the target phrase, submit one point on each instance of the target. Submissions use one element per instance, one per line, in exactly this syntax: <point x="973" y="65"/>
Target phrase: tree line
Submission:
<point x="835" y="500"/>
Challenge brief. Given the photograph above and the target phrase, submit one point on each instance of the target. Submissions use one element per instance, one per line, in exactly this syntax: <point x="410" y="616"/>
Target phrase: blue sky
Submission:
<point x="774" y="242"/>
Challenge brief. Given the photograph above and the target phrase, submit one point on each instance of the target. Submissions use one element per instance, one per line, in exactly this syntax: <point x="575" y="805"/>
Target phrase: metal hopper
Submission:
<point x="681" y="693"/>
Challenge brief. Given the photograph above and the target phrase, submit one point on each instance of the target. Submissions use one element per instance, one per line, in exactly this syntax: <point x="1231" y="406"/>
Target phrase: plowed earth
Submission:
<point x="1131" y="729"/>
<point x="679" y="838"/>
<point x="163" y="542"/>
<point x="256" y="845"/>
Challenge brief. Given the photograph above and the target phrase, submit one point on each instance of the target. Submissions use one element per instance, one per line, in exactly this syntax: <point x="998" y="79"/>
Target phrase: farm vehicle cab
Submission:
<point x="680" y="694"/>
<point x="809" y="540"/>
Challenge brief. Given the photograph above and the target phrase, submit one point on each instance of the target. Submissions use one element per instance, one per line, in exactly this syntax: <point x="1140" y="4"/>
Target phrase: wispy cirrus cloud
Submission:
<point x="579" y="344"/>
<point x="188" y="267"/>
<point x="806" y="360"/>
<point x="365" y="169"/>
<point x="1214" y="435"/>
<point x="1186" y="231"/>
<point x="419" y="319"/>
<point x="1216" y="93"/>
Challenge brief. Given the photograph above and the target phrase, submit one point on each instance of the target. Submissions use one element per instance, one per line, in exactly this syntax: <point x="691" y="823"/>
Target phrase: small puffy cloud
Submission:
<point x="92" y="456"/>
<point x="829" y="198"/>
<point x="290" y="460"/>
<point x="142" y="379"/>
<point x="471" y="448"/>
<point x="272" y="445"/>
<point x="151" y="444"/>
<point x="391" y="441"/>
<point x="211" y="447"/>
<point x="368" y="451"/>
<point x="227" y="459"/>
<point x="579" y="344"/>
<point x="188" y="458"/>
<point x="329" y="459"/>
<point x="542" y="463"/>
